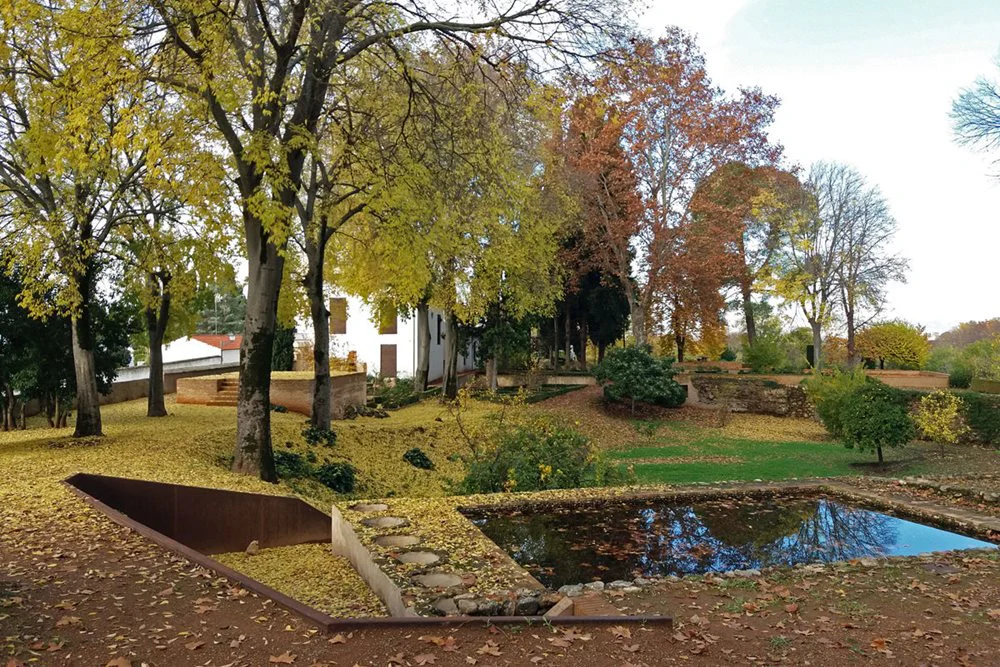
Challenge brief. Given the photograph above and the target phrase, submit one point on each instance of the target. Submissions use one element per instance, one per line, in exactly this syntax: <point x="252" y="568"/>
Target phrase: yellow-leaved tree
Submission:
<point x="82" y="127"/>
<point x="472" y="211"/>
<point x="262" y="72"/>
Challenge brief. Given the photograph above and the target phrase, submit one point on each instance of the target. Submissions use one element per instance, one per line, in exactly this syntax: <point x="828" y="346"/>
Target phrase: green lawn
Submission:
<point x="738" y="459"/>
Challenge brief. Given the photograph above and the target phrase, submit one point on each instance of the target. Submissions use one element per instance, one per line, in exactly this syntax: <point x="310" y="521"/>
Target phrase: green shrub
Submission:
<point x="981" y="413"/>
<point x="828" y="394"/>
<point x="766" y="354"/>
<point x="290" y="464"/>
<point x="336" y="476"/>
<point x="315" y="435"/>
<point x="532" y="457"/>
<point x="728" y="355"/>
<point x="632" y="374"/>
<point x="394" y="393"/>
<point x="875" y="416"/>
<point x="416" y="458"/>
<point x="960" y="377"/>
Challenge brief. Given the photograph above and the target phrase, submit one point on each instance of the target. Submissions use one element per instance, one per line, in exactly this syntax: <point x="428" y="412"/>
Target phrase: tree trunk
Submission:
<point x="584" y="335"/>
<point x="638" y="321"/>
<point x="423" y="346"/>
<point x="322" y="390"/>
<point x="817" y="331"/>
<point x="24" y="416"/>
<point x="600" y="352"/>
<point x="555" y="341"/>
<point x="88" y="400"/>
<point x="748" y="315"/>
<point x="568" y="334"/>
<point x="450" y="381"/>
<point x="491" y="373"/>
<point x="852" y="357"/>
<point x="679" y="340"/>
<point x="880" y="460"/>
<point x="9" y="424"/>
<point x="156" y="327"/>
<point x="254" y="455"/>
<point x="50" y="410"/>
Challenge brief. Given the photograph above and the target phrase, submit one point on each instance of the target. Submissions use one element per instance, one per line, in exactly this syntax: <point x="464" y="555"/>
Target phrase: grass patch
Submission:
<point x="760" y="460"/>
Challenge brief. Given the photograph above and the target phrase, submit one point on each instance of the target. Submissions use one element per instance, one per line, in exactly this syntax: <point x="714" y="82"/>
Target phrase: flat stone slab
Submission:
<point x="386" y="522"/>
<point x="418" y="557"/>
<point x="397" y="540"/>
<point x="438" y="580"/>
<point x="370" y="507"/>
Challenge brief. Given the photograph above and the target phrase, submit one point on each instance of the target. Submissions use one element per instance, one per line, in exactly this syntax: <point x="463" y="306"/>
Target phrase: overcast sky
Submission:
<point x="870" y="83"/>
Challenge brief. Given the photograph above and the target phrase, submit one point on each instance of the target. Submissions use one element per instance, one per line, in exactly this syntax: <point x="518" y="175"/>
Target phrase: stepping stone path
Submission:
<point x="419" y="557"/>
<point x="386" y="522"/>
<point x="397" y="540"/>
<point x="369" y="507"/>
<point x="438" y="580"/>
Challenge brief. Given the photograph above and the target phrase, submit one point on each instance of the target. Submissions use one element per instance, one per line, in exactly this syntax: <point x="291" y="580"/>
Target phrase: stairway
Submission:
<point x="228" y="394"/>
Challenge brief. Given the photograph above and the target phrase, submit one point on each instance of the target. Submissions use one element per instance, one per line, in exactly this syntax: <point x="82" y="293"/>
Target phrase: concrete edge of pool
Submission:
<point x="325" y="621"/>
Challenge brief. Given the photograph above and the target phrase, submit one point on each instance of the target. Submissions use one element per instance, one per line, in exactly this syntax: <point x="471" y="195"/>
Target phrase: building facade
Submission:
<point x="388" y="345"/>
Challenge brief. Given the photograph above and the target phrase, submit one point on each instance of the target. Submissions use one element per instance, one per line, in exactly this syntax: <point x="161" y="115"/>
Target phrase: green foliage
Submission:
<point x="960" y="377"/>
<point x="874" y="416"/>
<point x="632" y="374"/>
<point x="938" y="417"/>
<point x="764" y="355"/>
<point x="536" y="456"/>
<point x="392" y="393"/>
<point x="291" y="465"/>
<point x="315" y="435"/>
<point x="982" y="415"/>
<point x="416" y="458"/>
<point x="339" y="477"/>
<point x="223" y="309"/>
<point x="283" y="353"/>
<point x="829" y="394"/>
<point x="728" y="354"/>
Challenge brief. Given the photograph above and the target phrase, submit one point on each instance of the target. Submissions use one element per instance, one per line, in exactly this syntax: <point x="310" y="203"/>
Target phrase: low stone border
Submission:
<point x="469" y="592"/>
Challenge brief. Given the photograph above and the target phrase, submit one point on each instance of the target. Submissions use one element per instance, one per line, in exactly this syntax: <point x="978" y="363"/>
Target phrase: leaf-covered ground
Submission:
<point x="77" y="589"/>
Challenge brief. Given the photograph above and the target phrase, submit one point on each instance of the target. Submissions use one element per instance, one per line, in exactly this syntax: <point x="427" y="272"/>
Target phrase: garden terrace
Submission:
<point x="292" y="390"/>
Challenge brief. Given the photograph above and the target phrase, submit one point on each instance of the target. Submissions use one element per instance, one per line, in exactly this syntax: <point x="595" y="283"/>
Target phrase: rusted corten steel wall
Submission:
<point x="211" y="521"/>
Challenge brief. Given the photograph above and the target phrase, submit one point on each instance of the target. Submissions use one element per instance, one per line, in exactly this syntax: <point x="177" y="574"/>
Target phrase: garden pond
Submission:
<point x="621" y="540"/>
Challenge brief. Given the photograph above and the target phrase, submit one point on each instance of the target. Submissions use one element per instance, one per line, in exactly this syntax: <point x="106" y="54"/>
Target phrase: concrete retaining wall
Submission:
<point x="505" y="380"/>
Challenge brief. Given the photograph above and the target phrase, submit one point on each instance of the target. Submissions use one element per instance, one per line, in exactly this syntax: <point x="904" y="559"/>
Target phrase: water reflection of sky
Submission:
<point x="624" y="540"/>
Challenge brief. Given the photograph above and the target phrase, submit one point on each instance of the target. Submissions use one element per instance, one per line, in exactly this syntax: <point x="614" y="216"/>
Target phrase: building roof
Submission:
<point x="221" y="341"/>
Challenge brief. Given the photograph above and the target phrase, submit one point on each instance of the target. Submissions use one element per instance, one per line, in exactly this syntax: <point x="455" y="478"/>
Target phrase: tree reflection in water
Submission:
<point x="622" y="540"/>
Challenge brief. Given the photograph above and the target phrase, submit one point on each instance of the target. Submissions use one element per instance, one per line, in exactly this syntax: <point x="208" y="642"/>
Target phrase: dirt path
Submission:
<point x="114" y="596"/>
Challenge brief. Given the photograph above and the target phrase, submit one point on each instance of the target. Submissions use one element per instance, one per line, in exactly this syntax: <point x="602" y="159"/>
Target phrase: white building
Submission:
<point x="389" y="346"/>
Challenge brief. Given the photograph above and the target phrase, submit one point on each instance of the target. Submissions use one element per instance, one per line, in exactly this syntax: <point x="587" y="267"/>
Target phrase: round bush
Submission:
<point x="875" y="416"/>
<point x="336" y="476"/>
<point x="632" y="374"/>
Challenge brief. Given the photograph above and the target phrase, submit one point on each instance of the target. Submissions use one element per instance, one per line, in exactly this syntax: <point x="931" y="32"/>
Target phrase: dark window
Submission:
<point x="338" y="316"/>
<point x="387" y="361"/>
<point x="439" y="330"/>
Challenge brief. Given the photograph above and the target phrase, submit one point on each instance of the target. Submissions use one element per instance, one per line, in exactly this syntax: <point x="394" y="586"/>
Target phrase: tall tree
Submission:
<point x="80" y="126"/>
<point x="809" y="266"/>
<point x="744" y="212"/>
<point x="262" y="71"/>
<point x="677" y="128"/>
<point x="470" y="217"/>
<point x="867" y="265"/>
<point x="976" y="115"/>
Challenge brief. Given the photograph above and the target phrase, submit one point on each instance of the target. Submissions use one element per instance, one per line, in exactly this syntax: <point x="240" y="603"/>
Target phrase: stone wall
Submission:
<point x="346" y="390"/>
<point x="756" y="396"/>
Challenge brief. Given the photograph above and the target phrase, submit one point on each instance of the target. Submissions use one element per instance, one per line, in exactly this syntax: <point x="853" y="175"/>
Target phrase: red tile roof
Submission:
<point x="221" y="341"/>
